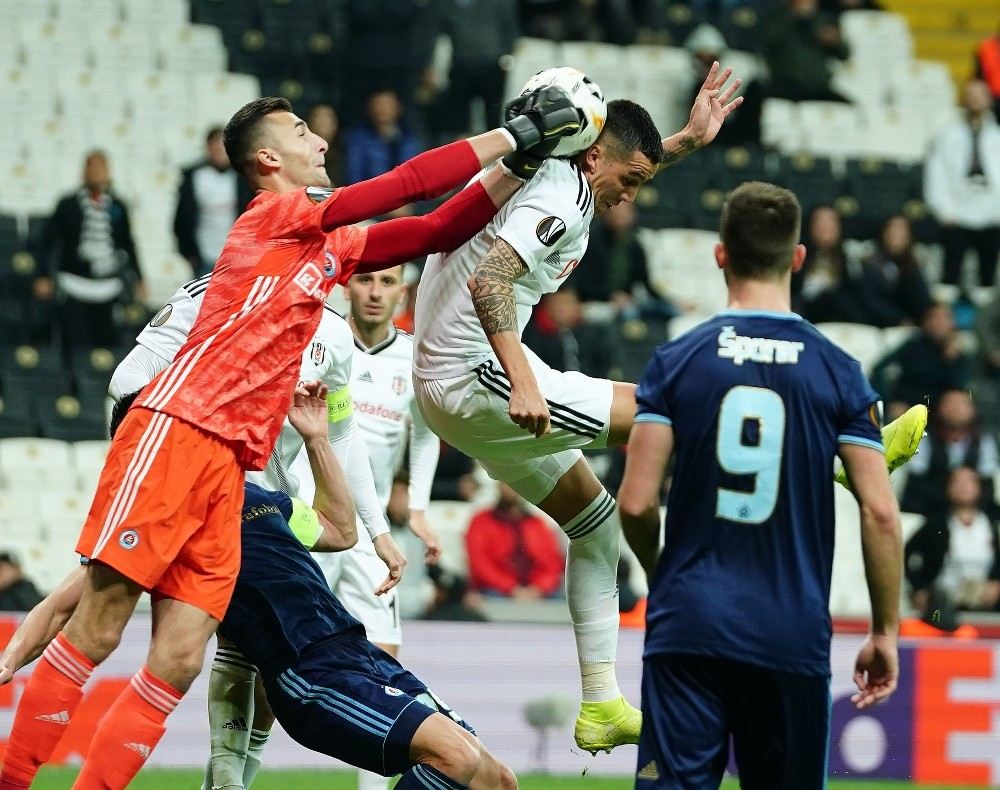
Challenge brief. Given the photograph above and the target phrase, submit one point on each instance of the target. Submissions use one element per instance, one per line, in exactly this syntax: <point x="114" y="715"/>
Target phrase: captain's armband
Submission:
<point x="339" y="405"/>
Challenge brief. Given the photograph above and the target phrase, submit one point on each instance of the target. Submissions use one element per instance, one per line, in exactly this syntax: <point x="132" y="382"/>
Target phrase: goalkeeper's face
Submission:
<point x="298" y="151"/>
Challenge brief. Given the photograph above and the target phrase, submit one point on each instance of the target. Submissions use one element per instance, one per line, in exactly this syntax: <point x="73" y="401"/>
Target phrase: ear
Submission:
<point x="798" y="257"/>
<point x="589" y="158"/>
<point x="267" y="159"/>
<point x="721" y="255"/>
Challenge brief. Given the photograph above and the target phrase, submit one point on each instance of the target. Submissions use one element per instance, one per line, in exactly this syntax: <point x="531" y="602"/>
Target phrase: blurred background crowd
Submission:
<point x="882" y="117"/>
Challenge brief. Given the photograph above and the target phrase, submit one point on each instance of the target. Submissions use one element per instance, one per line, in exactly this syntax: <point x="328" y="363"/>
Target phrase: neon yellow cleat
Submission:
<point x="601" y="726"/>
<point x="901" y="437"/>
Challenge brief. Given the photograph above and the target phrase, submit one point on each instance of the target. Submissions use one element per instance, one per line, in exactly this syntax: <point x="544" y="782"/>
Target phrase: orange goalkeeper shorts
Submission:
<point x="167" y="511"/>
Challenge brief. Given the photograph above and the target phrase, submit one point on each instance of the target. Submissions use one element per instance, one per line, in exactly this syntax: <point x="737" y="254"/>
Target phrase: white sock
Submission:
<point x="592" y="594"/>
<point x="230" y="713"/>
<point x="367" y="780"/>
<point x="258" y="740"/>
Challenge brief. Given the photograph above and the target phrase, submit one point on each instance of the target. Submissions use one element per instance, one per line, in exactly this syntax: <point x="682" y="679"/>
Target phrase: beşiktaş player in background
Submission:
<point x="333" y="690"/>
<point x="486" y="394"/>
<point x="754" y="404"/>
<point x="164" y="517"/>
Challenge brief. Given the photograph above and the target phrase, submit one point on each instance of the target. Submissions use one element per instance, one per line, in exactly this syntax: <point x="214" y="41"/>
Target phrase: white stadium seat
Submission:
<point x="87" y="14"/>
<point x="831" y="129"/>
<point x="683" y="323"/>
<point x="877" y="36"/>
<point x="603" y="63"/>
<point x="531" y="55"/>
<point x="451" y="520"/>
<point x="54" y="44"/>
<point x="34" y="462"/>
<point x="663" y="80"/>
<point x="218" y="96"/>
<point x="88" y="460"/>
<point x="157" y="15"/>
<point x="864" y="343"/>
<point x="124" y="48"/>
<point x="779" y="125"/>
<point x="682" y="266"/>
<point x="192" y="49"/>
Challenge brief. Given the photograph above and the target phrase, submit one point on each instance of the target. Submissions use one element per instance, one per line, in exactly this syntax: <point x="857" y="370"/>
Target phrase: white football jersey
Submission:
<point x="384" y="406"/>
<point x="327" y="358"/>
<point x="547" y="223"/>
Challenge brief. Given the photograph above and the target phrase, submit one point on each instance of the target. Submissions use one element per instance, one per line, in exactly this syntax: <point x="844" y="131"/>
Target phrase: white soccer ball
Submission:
<point x="586" y="95"/>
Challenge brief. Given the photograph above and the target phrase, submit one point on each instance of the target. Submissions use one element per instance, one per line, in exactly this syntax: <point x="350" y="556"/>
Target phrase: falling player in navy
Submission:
<point x="332" y="690"/>
<point x="754" y="404"/>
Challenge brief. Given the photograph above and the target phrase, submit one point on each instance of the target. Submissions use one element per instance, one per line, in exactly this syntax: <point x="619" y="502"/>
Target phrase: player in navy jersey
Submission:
<point x="754" y="404"/>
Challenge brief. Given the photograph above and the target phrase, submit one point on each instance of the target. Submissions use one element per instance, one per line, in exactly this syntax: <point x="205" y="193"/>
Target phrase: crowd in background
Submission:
<point x="396" y="102"/>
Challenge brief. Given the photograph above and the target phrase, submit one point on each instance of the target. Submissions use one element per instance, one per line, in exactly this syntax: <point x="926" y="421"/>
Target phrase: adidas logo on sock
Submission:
<point x="141" y="749"/>
<point x="649" y="772"/>
<point x="62" y="717"/>
<point x="236" y="724"/>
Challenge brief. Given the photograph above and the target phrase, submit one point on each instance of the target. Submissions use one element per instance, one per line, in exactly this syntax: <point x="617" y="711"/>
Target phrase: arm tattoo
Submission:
<point x="686" y="146"/>
<point x="492" y="287"/>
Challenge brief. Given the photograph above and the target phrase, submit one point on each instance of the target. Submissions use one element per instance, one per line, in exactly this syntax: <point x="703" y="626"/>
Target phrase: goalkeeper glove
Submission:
<point x="544" y="115"/>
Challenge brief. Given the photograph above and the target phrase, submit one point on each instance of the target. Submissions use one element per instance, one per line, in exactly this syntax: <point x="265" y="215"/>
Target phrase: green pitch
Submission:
<point x="62" y="778"/>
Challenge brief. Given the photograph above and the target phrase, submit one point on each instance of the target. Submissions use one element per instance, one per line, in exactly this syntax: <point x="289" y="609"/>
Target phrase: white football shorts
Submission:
<point x="353" y="576"/>
<point x="470" y="413"/>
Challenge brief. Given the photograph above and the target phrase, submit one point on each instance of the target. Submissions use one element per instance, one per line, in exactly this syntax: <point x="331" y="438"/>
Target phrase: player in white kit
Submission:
<point x="488" y="395"/>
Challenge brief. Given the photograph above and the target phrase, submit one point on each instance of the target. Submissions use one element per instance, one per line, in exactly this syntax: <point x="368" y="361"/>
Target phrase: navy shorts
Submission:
<point x="349" y="699"/>
<point x="692" y="706"/>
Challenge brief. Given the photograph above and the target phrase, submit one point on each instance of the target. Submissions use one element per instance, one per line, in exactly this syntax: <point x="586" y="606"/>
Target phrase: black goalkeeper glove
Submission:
<point x="542" y="116"/>
<point x="524" y="164"/>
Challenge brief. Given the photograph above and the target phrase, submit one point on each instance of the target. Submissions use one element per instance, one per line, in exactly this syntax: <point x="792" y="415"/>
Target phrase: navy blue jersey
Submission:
<point x="759" y="402"/>
<point x="282" y="604"/>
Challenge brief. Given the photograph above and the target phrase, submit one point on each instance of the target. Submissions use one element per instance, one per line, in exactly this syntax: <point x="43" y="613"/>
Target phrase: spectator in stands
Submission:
<point x="926" y="365"/>
<point x="453" y="600"/>
<point x="988" y="68"/>
<point x="382" y="142"/>
<point x="455" y="477"/>
<point x="17" y="592"/>
<point x="324" y="121"/>
<point x="956" y="553"/>
<point x="820" y="289"/>
<point x="800" y="41"/>
<point x="482" y="35"/>
<point x="210" y="198"/>
<point x="88" y="257"/>
<point x="988" y="332"/>
<point x="893" y="278"/>
<point x="956" y="438"/>
<point x="388" y="48"/>
<point x="706" y="45"/>
<point x="512" y="553"/>
<point x="559" y="336"/>
<point x="962" y="186"/>
<point x="614" y="268"/>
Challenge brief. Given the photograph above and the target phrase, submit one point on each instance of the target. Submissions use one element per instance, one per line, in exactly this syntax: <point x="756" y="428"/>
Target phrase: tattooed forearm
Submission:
<point x="675" y="150"/>
<point x="492" y="288"/>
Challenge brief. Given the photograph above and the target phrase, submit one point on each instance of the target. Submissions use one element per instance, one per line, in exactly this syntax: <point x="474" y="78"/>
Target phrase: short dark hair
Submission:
<point x="759" y="229"/>
<point x="211" y="134"/>
<point x="242" y="134"/>
<point x="629" y="128"/>
<point x="120" y="409"/>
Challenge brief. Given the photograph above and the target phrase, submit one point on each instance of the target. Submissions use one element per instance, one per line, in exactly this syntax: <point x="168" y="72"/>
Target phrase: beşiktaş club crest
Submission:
<point x="399" y="384"/>
<point x="316" y="352"/>
<point x="550" y="230"/>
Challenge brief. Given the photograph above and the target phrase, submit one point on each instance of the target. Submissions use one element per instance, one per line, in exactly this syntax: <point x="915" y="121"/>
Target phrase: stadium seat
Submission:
<point x="682" y="323"/>
<point x="742" y="27"/>
<point x="779" y="125"/>
<point x="451" y="520"/>
<point x="663" y="82"/>
<point x="87" y="14"/>
<point x="682" y="266"/>
<point x="16" y="418"/>
<point x="810" y="178"/>
<point x="531" y="55"/>
<point x="896" y="134"/>
<point x="88" y="460"/>
<point x="55" y="44"/>
<point x="192" y="49"/>
<point x="603" y="63"/>
<point x="830" y="129"/>
<point x="864" y="343"/>
<point x="158" y="16"/>
<point x="123" y="48"/>
<point x="90" y="98"/>
<point x="25" y="10"/>
<point x="734" y="165"/>
<point x="64" y="418"/>
<point x="289" y="24"/>
<point x="877" y="37"/>
<point x="218" y="96"/>
<point x="232" y="17"/>
<point x="27" y="462"/>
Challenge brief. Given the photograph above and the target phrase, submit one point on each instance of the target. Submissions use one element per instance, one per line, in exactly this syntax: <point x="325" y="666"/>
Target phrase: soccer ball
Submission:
<point x="586" y="95"/>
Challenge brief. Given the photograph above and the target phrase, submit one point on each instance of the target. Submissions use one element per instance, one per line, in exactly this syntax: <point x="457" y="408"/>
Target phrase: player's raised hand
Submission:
<point x="420" y="527"/>
<point x="529" y="410"/>
<point x="308" y="412"/>
<point x="712" y="104"/>
<point x="876" y="670"/>
<point x="394" y="559"/>
<point x="543" y="115"/>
